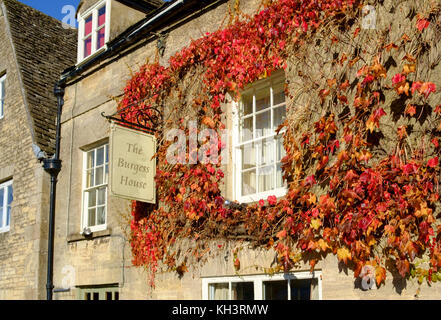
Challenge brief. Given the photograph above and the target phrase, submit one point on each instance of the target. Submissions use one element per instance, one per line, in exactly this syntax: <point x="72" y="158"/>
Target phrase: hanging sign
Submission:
<point x="132" y="164"/>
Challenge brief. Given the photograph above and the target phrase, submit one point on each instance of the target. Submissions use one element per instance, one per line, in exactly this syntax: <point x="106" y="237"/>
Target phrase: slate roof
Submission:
<point x="43" y="50"/>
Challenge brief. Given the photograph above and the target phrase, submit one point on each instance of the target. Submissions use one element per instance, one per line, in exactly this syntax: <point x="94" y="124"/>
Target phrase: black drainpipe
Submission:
<point x="53" y="167"/>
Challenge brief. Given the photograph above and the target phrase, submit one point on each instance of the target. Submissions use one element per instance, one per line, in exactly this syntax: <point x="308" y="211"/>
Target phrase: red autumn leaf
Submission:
<point x="435" y="142"/>
<point x="272" y="200"/>
<point x="310" y="180"/>
<point x="433" y="163"/>
<point x="422" y="24"/>
<point x="237" y="264"/>
<point x="398" y="78"/>
<point x="356" y="32"/>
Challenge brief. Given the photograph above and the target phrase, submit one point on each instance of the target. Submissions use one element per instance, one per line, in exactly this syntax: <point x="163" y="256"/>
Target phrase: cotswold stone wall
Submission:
<point x="22" y="249"/>
<point x="105" y="259"/>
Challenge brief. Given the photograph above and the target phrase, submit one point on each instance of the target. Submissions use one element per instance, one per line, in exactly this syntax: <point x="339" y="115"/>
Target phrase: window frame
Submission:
<point x="100" y="290"/>
<point x="6" y="185"/>
<point x="84" y="189"/>
<point x="93" y="11"/>
<point x="2" y="97"/>
<point x="258" y="281"/>
<point x="237" y="144"/>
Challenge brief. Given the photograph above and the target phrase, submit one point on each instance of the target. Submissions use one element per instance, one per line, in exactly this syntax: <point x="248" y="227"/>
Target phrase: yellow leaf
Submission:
<point x="344" y="254"/>
<point x="323" y="245"/>
<point x="316" y="223"/>
<point x="312" y="199"/>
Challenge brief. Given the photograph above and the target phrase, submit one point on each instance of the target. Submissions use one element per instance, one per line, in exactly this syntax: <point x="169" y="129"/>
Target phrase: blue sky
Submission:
<point x="52" y="8"/>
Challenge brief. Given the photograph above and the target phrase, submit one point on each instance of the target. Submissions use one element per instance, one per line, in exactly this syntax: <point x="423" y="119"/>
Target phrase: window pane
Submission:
<point x="242" y="291"/>
<point x="8" y="208"/>
<point x="2" y="197"/>
<point x="247" y="104"/>
<point x="100" y="41"/>
<point x="248" y="182"/>
<point x="88" y="26"/>
<point x="87" y="296"/>
<point x="279" y="177"/>
<point x="90" y="178"/>
<point x="2" y="95"/>
<point x="101" y="16"/>
<point x="246" y="129"/>
<point x="99" y="176"/>
<point x="275" y="290"/>
<point x="219" y="291"/>
<point x="266" y="152"/>
<point x="100" y="157"/>
<point x="87" y="47"/>
<point x="10" y="195"/>
<point x="263" y="124"/>
<point x="278" y="94"/>
<point x="96" y="296"/>
<point x="91" y="195"/>
<point x="92" y="220"/>
<point x="301" y="289"/>
<point x="266" y="178"/>
<point x="101" y="215"/>
<point x="8" y="216"/>
<point x="280" y="149"/>
<point x="262" y="99"/>
<point x="279" y="116"/>
<point x="248" y="156"/>
<point x="101" y="196"/>
<point x="90" y="159"/>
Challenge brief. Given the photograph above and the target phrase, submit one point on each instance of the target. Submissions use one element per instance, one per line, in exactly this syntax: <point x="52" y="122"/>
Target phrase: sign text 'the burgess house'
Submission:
<point x="132" y="165"/>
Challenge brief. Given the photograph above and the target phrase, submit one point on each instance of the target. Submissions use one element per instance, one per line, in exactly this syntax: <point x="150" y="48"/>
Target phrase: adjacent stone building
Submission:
<point x="92" y="252"/>
<point x="34" y="49"/>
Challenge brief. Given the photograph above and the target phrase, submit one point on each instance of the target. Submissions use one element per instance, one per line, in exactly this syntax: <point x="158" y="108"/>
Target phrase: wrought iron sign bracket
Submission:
<point x="147" y="119"/>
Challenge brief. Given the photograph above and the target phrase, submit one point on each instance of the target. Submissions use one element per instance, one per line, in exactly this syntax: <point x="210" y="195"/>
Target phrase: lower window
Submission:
<point x="6" y="198"/>
<point x="293" y="286"/>
<point x="99" y="293"/>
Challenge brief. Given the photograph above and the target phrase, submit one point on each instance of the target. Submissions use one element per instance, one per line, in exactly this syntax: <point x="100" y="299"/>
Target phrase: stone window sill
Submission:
<point x="75" y="237"/>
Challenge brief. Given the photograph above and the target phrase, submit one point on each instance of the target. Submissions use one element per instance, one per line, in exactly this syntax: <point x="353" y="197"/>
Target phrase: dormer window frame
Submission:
<point x="93" y="12"/>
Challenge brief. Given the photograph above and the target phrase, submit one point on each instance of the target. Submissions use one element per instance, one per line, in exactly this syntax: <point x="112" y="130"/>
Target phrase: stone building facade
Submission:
<point x="98" y="266"/>
<point x="34" y="49"/>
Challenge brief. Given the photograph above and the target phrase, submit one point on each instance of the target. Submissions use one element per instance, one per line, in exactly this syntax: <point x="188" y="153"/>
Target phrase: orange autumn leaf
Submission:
<point x="380" y="275"/>
<point x="281" y="234"/>
<point x="405" y="38"/>
<point x="410" y="110"/>
<point x="409" y="68"/>
<point x="391" y="46"/>
<point x="209" y="122"/>
<point x="408" y="57"/>
<point x="331" y="82"/>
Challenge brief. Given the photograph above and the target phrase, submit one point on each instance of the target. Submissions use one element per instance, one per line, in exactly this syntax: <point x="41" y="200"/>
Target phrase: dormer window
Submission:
<point x="93" y="29"/>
